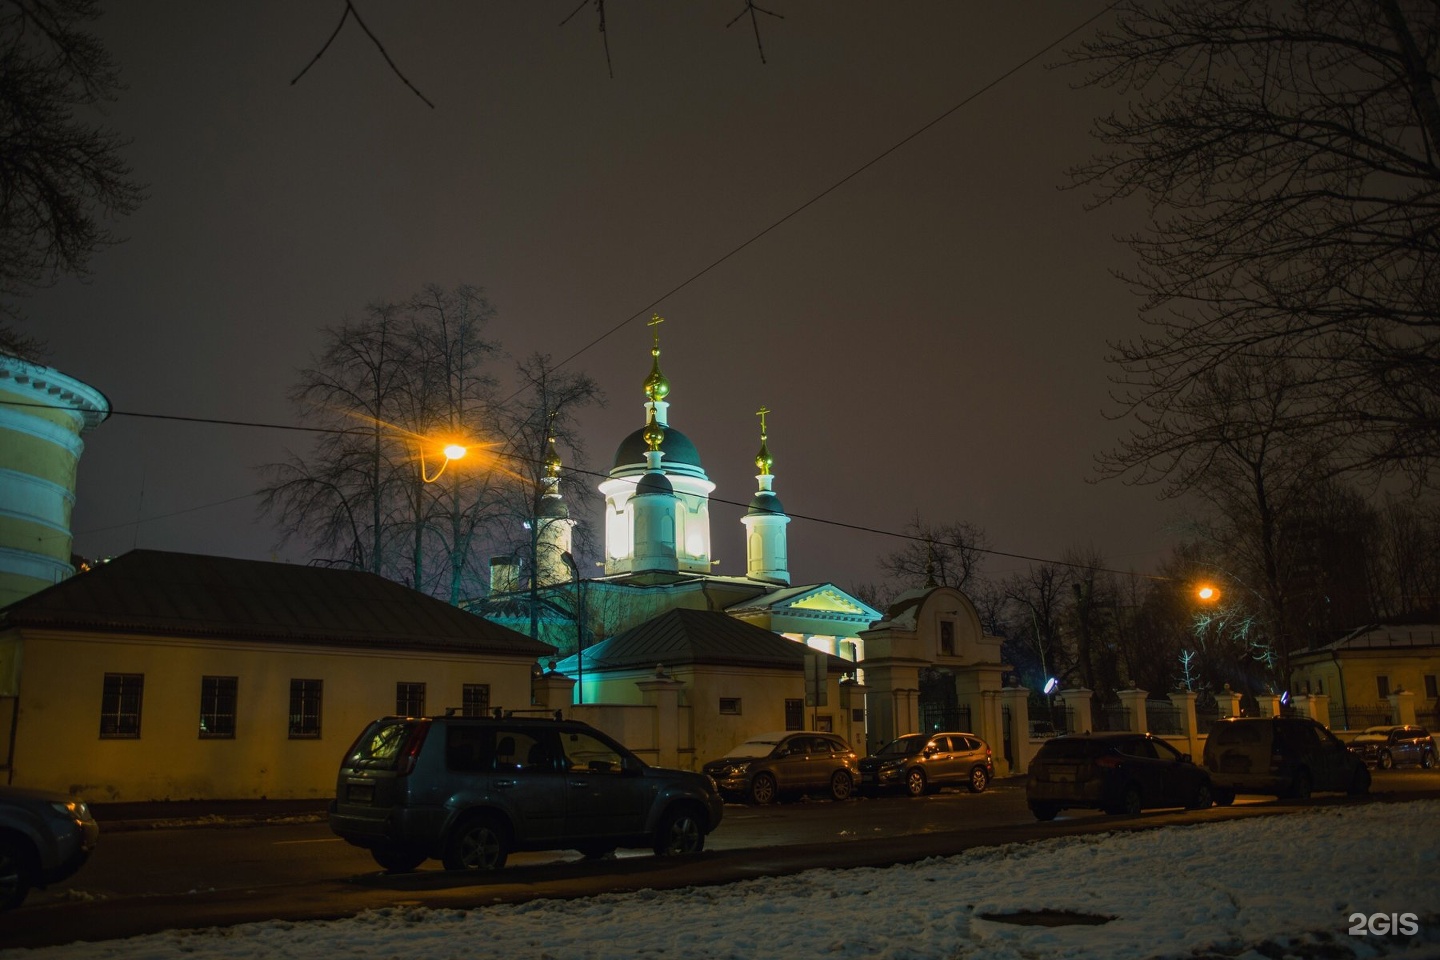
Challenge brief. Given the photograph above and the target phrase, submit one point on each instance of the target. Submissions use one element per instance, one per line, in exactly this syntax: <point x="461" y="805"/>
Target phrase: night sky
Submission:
<point x="929" y="336"/>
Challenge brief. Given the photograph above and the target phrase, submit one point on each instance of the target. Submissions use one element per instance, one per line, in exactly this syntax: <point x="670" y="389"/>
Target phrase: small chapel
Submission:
<point x="757" y="646"/>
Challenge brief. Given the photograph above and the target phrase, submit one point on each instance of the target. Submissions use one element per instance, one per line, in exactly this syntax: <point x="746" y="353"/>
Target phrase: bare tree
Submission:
<point x="949" y="553"/>
<point x="61" y="175"/>
<point x="1289" y="155"/>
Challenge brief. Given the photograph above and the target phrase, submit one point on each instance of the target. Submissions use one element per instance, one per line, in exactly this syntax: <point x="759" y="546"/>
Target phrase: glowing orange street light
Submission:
<point x="1208" y="593"/>
<point x="453" y="451"/>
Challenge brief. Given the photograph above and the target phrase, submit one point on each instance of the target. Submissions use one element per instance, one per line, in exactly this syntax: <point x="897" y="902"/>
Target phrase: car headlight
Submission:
<point x="74" y="809"/>
<point x="892" y="764"/>
<point x="736" y="769"/>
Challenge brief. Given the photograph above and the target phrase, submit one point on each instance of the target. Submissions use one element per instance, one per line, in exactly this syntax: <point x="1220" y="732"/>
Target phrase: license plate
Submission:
<point x="360" y="793"/>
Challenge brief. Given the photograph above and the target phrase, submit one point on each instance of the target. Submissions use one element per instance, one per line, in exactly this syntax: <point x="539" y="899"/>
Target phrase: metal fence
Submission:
<point x="1163" y="718"/>
<point x="1050" y="720"/>
<point x="1110" y="716"/>
<point x="1358" y="716"/>
<point x="935" y="717"/>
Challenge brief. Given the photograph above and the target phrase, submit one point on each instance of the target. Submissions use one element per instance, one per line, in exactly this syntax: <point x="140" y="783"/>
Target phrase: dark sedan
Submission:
<point x="1114" y="772"/>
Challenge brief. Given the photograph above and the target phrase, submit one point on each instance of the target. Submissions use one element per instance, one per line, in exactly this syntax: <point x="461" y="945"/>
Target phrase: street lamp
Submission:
<point x="452" y="451"/>
<point x="1207" y="593"/>
<point x="579" y="626"/>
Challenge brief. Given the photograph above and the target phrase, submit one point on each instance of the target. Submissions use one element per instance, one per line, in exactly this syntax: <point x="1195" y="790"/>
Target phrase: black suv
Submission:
<point x="1114" y="772"/>
<point x="469" y="790"/>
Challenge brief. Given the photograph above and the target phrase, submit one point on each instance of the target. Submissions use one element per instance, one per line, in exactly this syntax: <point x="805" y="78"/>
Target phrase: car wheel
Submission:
<point x="1301" y="786"/>
<point x="1129" y="804"/>
<point x="1223" y="798"/>
<point x="1044" y="811"/>
<point x="1201" y="798"/>
<point x="915" y="784"/>
<point x="477" y="843"/>
<point x="17" y="872"/>
<point x="1385" y="761"/>
<point x="1428" y="760"/>
<point x="398" y="859"/>
<point x="979" y="780"/>
<point x="679" y="833"/>
<point x="1359" y="782"/>
<point x="762" y="789"/>
<point x="841" y="786"/>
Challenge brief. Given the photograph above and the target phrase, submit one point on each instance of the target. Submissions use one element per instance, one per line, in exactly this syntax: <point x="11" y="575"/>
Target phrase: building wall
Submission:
<point x="1353" y="685"/>
<point x="58" y="744"/>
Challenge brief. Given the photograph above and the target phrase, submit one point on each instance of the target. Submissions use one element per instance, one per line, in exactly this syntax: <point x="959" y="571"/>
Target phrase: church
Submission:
<point x="658" y="552"/>
<point x="748" y="653"/>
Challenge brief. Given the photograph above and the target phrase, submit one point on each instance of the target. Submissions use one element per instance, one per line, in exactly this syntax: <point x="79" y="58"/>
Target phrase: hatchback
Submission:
<point x="1388" y="746"/>
<point x="923" y="763"/>
<point x="772" y="765"/>
<point x="469" y="790"/>
<point x="1280" y="756"/>
<point x="44" y="838"/>
<point x="1114" y="772"/>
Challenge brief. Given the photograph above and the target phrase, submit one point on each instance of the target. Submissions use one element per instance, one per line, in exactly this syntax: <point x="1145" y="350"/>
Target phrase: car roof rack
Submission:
<point x="500" y="713"/>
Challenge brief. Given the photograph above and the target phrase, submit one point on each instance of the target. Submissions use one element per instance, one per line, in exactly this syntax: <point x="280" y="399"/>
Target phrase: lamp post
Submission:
<point x="579" y="626"/>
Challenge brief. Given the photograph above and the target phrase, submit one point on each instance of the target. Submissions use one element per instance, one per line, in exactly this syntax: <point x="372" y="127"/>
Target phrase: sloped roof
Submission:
<point x="1389" y="636"/>
<point x="683" y="637"/>
<point x="180" y="594"/>
<point x="793" y="599"/>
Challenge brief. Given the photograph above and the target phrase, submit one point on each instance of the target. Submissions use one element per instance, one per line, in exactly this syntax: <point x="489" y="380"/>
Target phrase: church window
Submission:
<point x="947" y="638"/>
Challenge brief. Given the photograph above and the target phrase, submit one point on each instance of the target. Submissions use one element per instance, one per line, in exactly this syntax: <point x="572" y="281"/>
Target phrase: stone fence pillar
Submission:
<point x="552" y="691"/>
<point x="1189" y="726"/>
<point x="1228" y="702"/>
<point x="1316" y="706"/>
<point x="1134" y="703"/>
<point x="1077" y="706"/>
<point x="663" y="693"/>
<point x="1015" y="700"/>
<point x="1402" y="706"/>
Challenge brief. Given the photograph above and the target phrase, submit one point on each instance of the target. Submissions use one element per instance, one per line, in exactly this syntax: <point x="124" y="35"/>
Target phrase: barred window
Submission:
<point x="475" y="699"/>
<point x="305" y="698"/>
<point x="410" y="699"/>
<point x="730" y="706"/>
<point x="794" y="714"/>
<point x="217" y="707"/>
<point x="120" y="706"/>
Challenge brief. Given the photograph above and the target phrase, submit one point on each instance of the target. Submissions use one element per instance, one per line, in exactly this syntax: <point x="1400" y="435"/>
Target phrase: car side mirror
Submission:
<point x="1186" y="758"/>
<point x="630" y="767"/>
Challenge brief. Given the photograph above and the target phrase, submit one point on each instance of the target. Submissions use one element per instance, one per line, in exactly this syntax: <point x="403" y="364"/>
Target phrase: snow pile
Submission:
<point x="1265" y="887"/>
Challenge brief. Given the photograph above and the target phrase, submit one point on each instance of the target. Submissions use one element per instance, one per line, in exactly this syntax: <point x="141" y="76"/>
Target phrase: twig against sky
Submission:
<point x="599" y="9"/>
<point x="750" y="8"/>
<point x="350" y="11"/>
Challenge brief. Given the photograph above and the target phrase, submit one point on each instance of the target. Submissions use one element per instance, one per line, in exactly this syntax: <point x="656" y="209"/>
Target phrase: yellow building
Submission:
<point x="174" y="676"/>
<point x="43" y="415"/>
<point x="1376" y="675"/>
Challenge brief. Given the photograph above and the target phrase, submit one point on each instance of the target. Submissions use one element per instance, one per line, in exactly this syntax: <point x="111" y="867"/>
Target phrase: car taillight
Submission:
<point x="410" y="753"/>
<point x="1109" y="763"/>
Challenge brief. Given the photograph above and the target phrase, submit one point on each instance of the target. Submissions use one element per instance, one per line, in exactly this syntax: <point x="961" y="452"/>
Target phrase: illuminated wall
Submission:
<point x="43" y="415"/>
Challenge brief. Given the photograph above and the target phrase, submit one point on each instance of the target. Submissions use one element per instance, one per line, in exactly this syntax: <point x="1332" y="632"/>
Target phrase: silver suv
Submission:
<point x="470" y="790"/>
<point x="44" y="838"/>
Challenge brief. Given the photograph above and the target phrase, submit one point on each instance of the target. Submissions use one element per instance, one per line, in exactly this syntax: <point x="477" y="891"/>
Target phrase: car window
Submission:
<point x="1141" y="748"/>
<point x="585" y="752"/>
<point x="470" y="749"/>
<point x="903" y="747"/>
<point x="1062" y="749"/>
<point x="1225" y="734"/>
<point x="1166" y="751"/>
<point x="940" y="744"/>
<point x="380" y="748"/>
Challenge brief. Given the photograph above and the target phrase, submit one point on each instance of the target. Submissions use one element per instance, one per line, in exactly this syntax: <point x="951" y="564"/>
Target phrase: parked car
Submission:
<point x="1114" y="772"/>
<point x="1385" y="747"/>
<point x="922" y="763"/>
<point x="1280" y="756"/>
<point x="772" y="765"/>
<point x="44" y="838"/>
<point x="470" y="790"/>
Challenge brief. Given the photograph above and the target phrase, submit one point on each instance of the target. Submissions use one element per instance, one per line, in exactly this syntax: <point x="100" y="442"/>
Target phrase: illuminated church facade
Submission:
<point x="736" y="646"/>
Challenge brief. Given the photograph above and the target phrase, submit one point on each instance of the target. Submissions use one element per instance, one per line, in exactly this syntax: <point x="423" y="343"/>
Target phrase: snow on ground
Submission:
<point x="1264" y="887"/>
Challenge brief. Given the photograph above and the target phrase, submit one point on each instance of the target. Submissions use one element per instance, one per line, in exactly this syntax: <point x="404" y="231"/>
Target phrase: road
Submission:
<point x="230" y="872"/>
